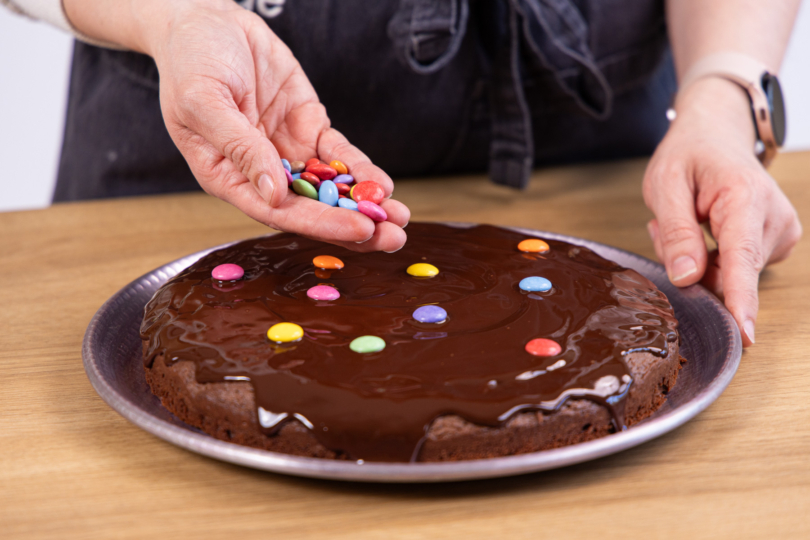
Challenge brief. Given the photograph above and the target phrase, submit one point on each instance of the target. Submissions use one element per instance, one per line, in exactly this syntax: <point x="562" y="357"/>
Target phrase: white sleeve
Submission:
<point x="53" y="13"/>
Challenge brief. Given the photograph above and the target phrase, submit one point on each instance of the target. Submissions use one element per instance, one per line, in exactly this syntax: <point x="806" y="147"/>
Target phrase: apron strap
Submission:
<point x="427" y="34"/>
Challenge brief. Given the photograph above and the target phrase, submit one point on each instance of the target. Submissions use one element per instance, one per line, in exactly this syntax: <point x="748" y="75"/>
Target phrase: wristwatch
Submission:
<point x="764" y="92"/>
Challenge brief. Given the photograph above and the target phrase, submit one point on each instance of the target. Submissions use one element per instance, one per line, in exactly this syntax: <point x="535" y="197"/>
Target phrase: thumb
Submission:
<point x="248" y="149"/>
<point x="679" y="239"/>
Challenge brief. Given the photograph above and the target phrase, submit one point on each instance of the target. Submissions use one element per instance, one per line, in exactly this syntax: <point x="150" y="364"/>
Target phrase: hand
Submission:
<point x="234" y="99"/>
<point x="705" y="171"/>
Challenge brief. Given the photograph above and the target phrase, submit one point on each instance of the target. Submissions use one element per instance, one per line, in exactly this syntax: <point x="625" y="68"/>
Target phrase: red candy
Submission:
<point x="313" y="161"/>
<point x="343" y="189"/>
<point x="543" y="347"/>
<point x="368" y="191"/>
<point x="311" y="178"/>
<point x="322" y="171"/>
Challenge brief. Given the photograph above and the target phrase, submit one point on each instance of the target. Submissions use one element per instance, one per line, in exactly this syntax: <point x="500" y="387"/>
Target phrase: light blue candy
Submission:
<point x="430" y="314"/>
<point x="286" y="165"/>
<point x="344" y="179"/>
<point x="297" y="176"/>
<point x="348" y="204"/>
<point x="328" y="193"/>
<point x="535" y="284"/>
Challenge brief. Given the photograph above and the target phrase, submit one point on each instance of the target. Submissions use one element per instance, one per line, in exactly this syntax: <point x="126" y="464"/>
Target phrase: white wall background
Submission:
<point x="34" y="66"/>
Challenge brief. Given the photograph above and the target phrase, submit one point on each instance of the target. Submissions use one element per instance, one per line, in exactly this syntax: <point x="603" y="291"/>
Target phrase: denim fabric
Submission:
<point x="424" y="87"/>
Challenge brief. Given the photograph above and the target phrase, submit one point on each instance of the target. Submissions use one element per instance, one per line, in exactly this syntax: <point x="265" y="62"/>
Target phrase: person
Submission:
<point x="429" y="87"/>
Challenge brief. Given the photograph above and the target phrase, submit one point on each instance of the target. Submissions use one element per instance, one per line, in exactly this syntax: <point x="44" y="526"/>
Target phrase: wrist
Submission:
<point x="714" y="103"/>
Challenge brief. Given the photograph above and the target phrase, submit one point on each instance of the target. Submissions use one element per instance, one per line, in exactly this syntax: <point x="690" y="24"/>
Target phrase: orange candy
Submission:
<point x="339" y="166"/>
<point x="327" y="262"/>
<point x="533" y="245"/>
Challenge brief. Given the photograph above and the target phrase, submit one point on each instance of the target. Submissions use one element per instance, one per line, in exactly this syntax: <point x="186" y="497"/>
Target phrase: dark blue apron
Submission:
<point x="423" y="87"/>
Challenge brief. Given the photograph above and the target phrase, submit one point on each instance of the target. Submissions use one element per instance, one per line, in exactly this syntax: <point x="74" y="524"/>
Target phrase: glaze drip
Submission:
<point x="378" y="406"/>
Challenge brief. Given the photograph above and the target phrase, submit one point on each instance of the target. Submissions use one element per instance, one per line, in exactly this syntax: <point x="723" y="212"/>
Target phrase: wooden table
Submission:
<point x="71" y="467"/>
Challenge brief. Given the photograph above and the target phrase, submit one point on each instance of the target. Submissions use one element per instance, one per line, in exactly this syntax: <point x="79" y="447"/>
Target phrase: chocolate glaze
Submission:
<point x="378" y="407"/>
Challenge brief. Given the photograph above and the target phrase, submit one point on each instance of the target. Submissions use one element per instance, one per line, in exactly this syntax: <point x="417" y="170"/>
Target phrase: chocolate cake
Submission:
<point x="468" y="387"/>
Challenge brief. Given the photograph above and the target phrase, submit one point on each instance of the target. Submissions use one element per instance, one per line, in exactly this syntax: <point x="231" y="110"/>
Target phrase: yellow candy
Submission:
<point x="533" y="245"/>
<point x="327" y="262"/>
<point x="422" y="270"/>
<point x="284" y="332"/>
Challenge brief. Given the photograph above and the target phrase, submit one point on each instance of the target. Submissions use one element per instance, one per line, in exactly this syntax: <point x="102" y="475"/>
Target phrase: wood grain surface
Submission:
<point x="71" y="467"/>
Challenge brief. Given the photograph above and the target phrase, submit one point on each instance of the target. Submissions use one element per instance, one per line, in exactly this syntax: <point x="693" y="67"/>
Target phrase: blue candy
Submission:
<point x="343" y="179"/>
<point x="348" y="204"/>
<point x="328" y="193"/>
<point x="297" y="176"/>
<point x="286" y="164"/>
<point x="535" y="284"/>
<point x="430" y="314"/>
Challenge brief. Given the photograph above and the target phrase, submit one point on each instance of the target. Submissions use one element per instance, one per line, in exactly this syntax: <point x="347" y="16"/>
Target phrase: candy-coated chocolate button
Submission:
<point x="374" y="211"/>
<point x="327" y="262"/>
<point x="285" y="332"/>
<point x="313" y="161"/>
<point x="347" y="203"/>
<point x="343" y="189"/>
<point x="368" y="191"/>
<point x="323" y="292"/>
<point x="543" y="347"/>
<point x="343" y="179"/>
<point x="297" y="166"/>
<point x="286" y="165"/>
<point x="328" y="193"/>
<point x="296" y="176"/>
<point x="313" y="180"/>
<point x="430" y="314"/>
<point x="339" y="166"/>
<point x="533" y="245"/>
<point x="288" y="174"/>
<point x="302" y="187"/>
<point x="535" y="284"/>
<point x="322" y="171"/>
<point x="367" y="344"/>
<point x="422" y="270"/>
<point x="227" y="272"/>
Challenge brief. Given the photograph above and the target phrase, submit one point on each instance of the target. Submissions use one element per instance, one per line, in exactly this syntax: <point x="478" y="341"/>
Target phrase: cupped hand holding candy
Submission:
<point x="235" y="100"/>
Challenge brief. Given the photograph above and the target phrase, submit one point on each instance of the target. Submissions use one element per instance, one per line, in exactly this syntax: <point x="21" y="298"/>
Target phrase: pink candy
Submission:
<point x="227" y="272"/>
<point x="323" y="292"/>
<point x="374" y="211"/>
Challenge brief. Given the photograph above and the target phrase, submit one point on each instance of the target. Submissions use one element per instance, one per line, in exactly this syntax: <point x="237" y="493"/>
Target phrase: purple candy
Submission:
<point x="323" y="292"/>
<point x="289" y="177"/>
<point x="374" y="211"/>
<point x="227" y="272"/>
<point x="430" y="314"/>
<point x="343" y="179"/>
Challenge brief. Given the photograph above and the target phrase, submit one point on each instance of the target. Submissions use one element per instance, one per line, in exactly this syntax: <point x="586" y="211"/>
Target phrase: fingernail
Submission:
<point x="405" y="225"/>
<point x="366" y="240"/>
<point x="266" y="188"/>
<point x="651" y="231"/>
<point x="394" y="251"/>
<point x="683" y="267"/>
<point x="748" y="328"/>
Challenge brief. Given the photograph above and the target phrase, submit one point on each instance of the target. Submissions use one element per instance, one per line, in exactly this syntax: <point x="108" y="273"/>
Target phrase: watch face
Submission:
<point x="777" y="104"/>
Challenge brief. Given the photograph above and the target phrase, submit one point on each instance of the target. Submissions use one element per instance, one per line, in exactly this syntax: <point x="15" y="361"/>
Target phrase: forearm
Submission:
<point x="698" y="28"/>
<point x="132" y="24"/>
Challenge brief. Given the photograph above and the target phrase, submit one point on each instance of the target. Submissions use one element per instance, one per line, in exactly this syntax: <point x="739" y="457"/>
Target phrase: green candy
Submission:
<point x="367" y="344"/>
<point x="302" y="187"/>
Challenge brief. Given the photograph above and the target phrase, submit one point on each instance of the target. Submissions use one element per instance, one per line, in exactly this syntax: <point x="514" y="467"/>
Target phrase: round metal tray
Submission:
<point x="710" y="341"/>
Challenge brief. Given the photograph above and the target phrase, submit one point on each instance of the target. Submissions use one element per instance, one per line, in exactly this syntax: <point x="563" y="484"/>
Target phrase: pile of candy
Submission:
<point x="286" y="332"/>
<point x="333" y="185"/>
